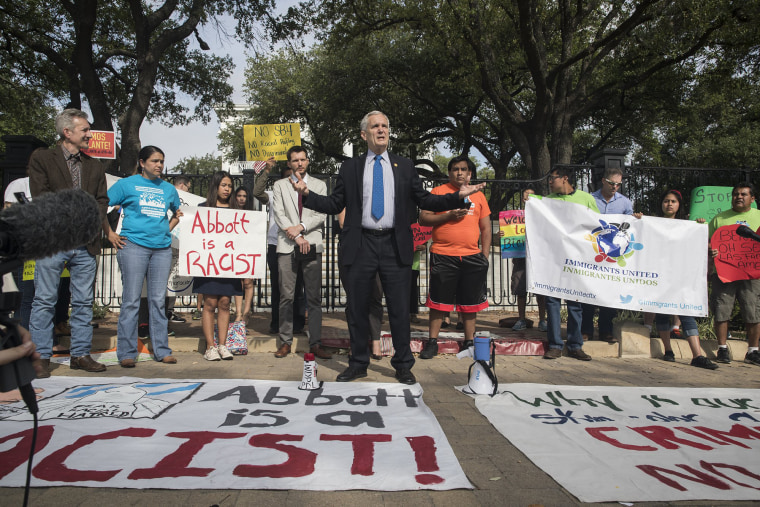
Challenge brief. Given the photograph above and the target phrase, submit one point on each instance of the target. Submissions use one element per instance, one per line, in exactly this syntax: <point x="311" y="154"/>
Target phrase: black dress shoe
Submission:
<point x="406" y="377"/>
<point x="351" y="373"/>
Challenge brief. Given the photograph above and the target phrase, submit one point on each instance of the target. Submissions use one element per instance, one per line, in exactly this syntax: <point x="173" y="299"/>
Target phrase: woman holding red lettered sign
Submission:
<point x="217" y="291"/>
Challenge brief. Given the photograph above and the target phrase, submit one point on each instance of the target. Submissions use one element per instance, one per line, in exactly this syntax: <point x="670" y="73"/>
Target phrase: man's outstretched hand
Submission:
<point x="466" y="190"/>
<point x="299" y="185"/>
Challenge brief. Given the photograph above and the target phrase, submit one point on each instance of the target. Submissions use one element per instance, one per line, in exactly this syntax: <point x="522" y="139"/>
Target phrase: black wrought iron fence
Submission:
<point x="643" y="185"/>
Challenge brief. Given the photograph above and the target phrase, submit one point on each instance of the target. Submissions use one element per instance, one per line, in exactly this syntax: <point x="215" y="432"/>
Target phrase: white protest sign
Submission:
<point x="228" y="434"/>
<point x="635" y="444"/>
<point x="619" y="261"/>
<point x="222" y="243"/>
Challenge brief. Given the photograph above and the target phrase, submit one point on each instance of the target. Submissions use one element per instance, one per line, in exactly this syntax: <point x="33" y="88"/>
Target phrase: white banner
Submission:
<point x="222" y="243"/>
<point x="228" y="434"/>
<point x="650" y="264"/>
<point x="635" y="444"/>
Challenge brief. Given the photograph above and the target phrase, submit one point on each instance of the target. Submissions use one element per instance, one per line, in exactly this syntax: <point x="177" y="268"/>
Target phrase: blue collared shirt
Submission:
<point x="387" y="221"/>
<point x="618" y="205"/>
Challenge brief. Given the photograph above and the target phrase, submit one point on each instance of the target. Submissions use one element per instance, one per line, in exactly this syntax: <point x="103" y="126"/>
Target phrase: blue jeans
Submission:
<point x="47" y="277"/>
<point x="574" y="316"/>
<point x="136" y="263"/>
<point x="688" y="323"/>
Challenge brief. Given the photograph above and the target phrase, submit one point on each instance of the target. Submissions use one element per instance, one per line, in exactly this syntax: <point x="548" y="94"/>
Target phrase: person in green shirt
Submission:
<point x="746" y="291"/>
<point x="562" y="186"/>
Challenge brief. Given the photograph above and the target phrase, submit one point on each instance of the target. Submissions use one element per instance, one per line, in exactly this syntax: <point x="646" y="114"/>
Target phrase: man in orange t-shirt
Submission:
<point x="458" y="265"/>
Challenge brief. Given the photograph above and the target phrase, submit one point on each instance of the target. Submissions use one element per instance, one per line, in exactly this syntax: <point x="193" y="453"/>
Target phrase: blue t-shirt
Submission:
<point x="144" y="204"/>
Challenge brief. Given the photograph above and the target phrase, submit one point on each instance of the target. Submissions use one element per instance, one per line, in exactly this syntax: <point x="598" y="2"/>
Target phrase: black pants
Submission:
<point x="378" y="254"/>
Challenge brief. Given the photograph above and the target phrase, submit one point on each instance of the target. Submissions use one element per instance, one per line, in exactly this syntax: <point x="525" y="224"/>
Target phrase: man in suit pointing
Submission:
<point x="379" y="191"/>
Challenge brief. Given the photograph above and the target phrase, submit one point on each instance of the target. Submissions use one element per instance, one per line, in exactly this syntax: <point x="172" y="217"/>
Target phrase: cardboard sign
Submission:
<point x="738" y="258"/>
<point x="271" y="140"/>
<point x="512" y="225"/>
<point x="222" y="243"/>
<point x="706" y="202"/>
<point x="102" y="144"/>
<point x="422" y="234"/>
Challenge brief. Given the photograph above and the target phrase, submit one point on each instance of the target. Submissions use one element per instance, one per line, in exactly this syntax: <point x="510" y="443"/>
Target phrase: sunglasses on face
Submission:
<point x="612" y="183"/>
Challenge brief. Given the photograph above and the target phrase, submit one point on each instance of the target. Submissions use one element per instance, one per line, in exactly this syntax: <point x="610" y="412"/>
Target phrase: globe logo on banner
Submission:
<point x="612" y="243"/>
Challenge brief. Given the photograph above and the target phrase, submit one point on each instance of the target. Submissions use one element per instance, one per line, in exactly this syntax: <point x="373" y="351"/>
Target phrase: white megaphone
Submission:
<point x="481" y="378"/>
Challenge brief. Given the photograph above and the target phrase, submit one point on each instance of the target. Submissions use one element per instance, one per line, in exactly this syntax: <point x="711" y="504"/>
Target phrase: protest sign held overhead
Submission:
<point x="270" y="140"/>
<point x="102" y="144"/>
<point x="706" y="202"/>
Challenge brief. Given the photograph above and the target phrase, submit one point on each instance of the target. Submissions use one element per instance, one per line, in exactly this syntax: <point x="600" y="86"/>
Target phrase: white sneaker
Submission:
<point x="224" y="352"/>
<point x="212" y="354"/>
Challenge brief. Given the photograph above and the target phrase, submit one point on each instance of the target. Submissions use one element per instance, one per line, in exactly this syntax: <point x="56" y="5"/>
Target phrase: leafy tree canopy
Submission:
<point x="128" y="60"/>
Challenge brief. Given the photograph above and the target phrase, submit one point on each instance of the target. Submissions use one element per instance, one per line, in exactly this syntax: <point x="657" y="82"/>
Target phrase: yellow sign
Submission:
<point x="28" y="275"/>
<point x="271" y="140"/>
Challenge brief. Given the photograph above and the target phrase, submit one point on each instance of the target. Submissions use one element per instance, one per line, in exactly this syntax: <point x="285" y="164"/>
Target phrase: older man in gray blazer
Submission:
<point x="299" y="246"/>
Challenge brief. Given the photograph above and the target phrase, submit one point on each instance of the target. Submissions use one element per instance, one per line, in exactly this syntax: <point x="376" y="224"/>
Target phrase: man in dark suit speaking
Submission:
<point x="379" y="191"/>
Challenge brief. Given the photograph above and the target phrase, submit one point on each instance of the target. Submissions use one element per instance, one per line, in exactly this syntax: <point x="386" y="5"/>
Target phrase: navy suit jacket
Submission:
<point x="409" y="195"/>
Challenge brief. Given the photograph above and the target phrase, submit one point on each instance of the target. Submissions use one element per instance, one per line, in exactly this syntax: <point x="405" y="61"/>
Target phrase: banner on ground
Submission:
<point x="222" y="243"/>
<point x="706" y="202"/>
<point x="227" y="434"/>
<point x="512" y="225"/>
<point x="271" y="140"/>
<point x="635" y="444"/>
<point x="738" y="257"/>
<point x="650" y="264"/>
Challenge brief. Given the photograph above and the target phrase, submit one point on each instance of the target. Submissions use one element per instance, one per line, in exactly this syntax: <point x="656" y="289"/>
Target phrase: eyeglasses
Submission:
<point x="553" y="177"/>
<point x="612" y="183"/>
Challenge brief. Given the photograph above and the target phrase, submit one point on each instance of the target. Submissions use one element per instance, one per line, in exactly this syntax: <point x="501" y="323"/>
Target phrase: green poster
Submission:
<point x="706" y="202"/>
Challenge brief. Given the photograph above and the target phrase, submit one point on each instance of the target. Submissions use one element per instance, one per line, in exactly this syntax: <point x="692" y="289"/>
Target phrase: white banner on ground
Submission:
<point x="635" y="444"/>
<point x="222" y="243"/>
<point x="650" y="264"/>
<point x="228" y="434"/>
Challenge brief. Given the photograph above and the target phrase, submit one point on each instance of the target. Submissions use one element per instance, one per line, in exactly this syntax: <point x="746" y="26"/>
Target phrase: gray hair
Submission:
<point x="65" y="120"/>
<point x="365" y="120"/>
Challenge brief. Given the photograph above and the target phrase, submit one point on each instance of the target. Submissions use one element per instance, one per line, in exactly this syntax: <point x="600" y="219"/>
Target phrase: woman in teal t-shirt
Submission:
<point x="144" y="252"/>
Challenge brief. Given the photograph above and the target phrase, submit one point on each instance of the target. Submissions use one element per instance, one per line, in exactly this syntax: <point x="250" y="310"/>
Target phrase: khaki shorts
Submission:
<point x="724" y="294"/>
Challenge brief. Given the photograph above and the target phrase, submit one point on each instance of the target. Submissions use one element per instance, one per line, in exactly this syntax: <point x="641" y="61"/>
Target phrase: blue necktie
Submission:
<point x="378" y="199"/>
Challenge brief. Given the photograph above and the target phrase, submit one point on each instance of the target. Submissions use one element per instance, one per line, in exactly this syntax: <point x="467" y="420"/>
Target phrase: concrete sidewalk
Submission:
<point x="633" y="339"/>
<point x="500" y="473"/>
